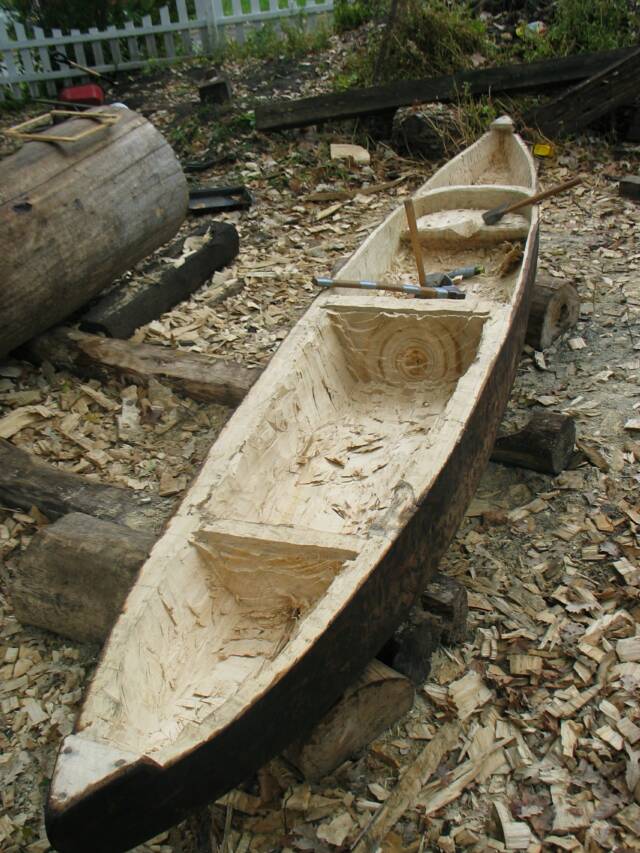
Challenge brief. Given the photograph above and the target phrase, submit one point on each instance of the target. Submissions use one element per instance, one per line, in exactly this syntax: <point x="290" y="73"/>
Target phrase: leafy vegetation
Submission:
<point x="351" y="14"/>
<point x="80" y="14"/>
<point x="427" y="39"/>
<point x="579" y="26"/>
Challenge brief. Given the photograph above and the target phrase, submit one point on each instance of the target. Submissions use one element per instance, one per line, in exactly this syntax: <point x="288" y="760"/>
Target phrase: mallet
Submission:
<point x="492" y="217"/>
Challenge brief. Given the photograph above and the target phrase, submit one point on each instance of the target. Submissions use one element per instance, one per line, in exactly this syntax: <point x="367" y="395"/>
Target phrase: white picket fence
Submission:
<point x="174" y="33"/>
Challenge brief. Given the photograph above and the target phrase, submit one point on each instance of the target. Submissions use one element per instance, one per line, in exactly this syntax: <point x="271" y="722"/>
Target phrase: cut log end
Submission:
<point x="555" y="307"/>
<point x="373" y="703"/>
<point x="545" y="444"/>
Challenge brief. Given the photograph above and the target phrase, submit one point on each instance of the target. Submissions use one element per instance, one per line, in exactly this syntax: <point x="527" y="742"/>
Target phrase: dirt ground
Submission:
<point x="551" y="564"/>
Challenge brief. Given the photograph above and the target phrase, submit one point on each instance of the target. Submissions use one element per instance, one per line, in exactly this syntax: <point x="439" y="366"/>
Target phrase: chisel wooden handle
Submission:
<point x="415" y="240"/>
<point x="534" y="199"/>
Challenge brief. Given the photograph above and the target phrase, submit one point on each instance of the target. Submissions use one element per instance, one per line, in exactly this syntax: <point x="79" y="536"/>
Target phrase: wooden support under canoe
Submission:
<point x="74" y="216"/>
<point x="555" y="308"/>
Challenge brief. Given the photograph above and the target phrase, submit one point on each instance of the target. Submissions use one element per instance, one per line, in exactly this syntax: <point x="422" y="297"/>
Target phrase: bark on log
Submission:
<point x="545" y="444"/>
<point x="555" y="307"/>
<point x="27" y="482"/>
<point x="191" y="374"/>
<point x="75" y="575"/>
<point x="133" y="304"/>
<point x="373" y="703"/>
<point x="74" y="216"/>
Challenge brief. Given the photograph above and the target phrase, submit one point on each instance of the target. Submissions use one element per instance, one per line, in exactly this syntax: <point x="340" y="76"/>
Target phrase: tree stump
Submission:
<point x="545" y="444"/>
<point x="555" y="307"/>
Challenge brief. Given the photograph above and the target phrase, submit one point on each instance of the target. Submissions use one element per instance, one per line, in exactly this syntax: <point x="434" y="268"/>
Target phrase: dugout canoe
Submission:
<point x="325" y="504"/>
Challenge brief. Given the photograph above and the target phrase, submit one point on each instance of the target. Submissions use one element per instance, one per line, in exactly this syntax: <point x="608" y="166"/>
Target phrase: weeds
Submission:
<point x="293" y="41"/>
<point x="428" y="39"/>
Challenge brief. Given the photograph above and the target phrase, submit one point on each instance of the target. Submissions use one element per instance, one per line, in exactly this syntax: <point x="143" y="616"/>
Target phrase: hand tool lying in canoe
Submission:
<point x="446" y="292"/>
<point x="491" y="217"/>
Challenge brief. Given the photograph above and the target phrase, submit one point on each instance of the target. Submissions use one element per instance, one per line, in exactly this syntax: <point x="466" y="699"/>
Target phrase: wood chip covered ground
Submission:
<point x="527" y="735"/>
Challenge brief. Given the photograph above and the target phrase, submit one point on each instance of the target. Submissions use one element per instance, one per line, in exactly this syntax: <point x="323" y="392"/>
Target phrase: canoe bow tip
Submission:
<point x="504" y="124"/>
<point x="82" y="765"/>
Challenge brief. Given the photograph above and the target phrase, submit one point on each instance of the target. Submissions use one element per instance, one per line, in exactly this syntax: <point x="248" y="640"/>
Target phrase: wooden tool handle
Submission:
<point x="415" y="241"/>
<point x="534" y="199"/>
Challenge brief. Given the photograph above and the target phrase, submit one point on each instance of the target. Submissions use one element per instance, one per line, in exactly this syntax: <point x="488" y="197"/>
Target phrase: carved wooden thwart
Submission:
<point x="318" y="517"/>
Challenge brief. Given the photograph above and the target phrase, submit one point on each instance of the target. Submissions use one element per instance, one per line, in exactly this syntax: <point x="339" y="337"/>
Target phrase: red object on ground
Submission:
<point x="90" y="94"/>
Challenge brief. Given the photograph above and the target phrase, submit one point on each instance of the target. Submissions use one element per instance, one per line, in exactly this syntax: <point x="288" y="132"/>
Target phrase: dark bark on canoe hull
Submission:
<point x="145" y="799"/>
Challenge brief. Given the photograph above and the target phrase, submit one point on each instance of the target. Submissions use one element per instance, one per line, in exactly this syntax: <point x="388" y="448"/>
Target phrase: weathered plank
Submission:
<point x="597" y="96"/>
<point x="545" y="444"/>
<point x="132" y="304"/>
<point x="26" y="482"/>
<point x="512" y="79"/>
<point x="188" y="373"/>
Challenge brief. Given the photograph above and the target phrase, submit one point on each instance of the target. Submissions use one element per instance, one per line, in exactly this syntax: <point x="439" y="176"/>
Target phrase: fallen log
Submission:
<point x="75" y="216"/>
<point x="545" y="444"/>
<point x="75" y="575"/>
<point x="600" y="94"/>
<point x="510" y="79"/>
<point x="555" y="307"/>
<point x="190" y="374"/>
<point x="373" y="703"/>
<point x="133" y="304"/>
<point x="26" y="482"/>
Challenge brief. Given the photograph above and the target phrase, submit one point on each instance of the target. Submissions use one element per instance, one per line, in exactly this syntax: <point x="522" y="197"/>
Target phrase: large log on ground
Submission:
<point x="511" y="79"/>
<point x="25" y="481"/>
<point x="74" y="216"/>
<point x="75" y="575"/>
<point x="188" y="373"/>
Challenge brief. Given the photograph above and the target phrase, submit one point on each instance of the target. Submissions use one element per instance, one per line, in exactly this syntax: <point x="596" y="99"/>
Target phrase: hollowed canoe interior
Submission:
<point x="368" y="392"/>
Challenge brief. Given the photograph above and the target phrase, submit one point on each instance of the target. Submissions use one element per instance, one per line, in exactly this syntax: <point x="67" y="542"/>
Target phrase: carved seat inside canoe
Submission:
<point x="454" y="215"/>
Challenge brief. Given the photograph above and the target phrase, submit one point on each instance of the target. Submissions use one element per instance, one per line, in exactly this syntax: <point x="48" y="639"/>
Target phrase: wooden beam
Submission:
<point x="191" y="374"/>
<point x="600" y="94"/>
<point x="26" y="482"/>
<point x="512" y="79"/>
<point x="132" y="304"/>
